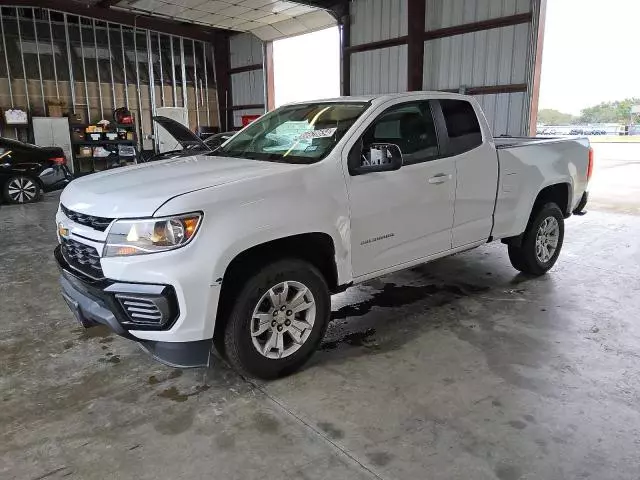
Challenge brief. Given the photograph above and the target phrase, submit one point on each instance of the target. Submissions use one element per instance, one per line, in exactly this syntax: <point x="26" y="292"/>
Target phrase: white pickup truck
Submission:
<point x="242" y="247"/>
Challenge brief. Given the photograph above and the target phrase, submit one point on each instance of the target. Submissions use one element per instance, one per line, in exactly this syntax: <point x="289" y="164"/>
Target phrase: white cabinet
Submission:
<point x="53" y="132"/>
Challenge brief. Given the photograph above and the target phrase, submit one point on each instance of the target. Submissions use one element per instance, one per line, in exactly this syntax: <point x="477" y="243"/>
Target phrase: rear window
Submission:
<point x="462" y="126"/>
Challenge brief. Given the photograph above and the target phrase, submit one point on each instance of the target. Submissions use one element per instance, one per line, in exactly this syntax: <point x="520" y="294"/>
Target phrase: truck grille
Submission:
<point x="81" y="257"/>
<point x="97" y="223"/>
<point x="142" y="310"/>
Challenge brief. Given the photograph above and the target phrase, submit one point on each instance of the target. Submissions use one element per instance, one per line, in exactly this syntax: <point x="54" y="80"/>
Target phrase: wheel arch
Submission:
<point x="317" y="248"/>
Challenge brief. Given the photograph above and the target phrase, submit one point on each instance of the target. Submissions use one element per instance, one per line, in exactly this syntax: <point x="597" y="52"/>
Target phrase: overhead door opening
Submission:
<point x="307" y="67"/>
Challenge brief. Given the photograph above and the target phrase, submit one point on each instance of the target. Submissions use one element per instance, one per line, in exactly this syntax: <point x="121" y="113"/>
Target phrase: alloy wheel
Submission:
<point x="283" y="319"/>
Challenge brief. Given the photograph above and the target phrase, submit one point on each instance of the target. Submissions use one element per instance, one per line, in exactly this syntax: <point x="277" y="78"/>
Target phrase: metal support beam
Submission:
<point x="72" y="84"/>
<point x="152" y="89"/>
<point x="24" y="70"/>
<point x="124" y="68"/>
<point x="345" y="44"/>
<point x="113" y="84"/>
<point x="95" y="48"/>
<point x="183" y="70"/>
<point x="135" y="54"/>
<point x="206" y="80"/>
<point x="53" y="54"/>
<point x="270" y="90"/>
<point x="223" y="80"/>
<point x="538" y="25"/>
<point x="195" y="83"/>
<point x="84" y="72"/>
<point x="161" y="72"/>
<point x="6" y="57"/>
<point x="35" y="36"/>
<point x="173" y="73"/>
<point x="415" y="44"/>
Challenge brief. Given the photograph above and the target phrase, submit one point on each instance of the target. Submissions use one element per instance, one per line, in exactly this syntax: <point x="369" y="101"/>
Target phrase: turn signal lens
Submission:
<point x="590" y="167"/>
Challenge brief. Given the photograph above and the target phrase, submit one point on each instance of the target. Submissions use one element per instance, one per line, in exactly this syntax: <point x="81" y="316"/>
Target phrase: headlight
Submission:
<point x="139" y="237"/>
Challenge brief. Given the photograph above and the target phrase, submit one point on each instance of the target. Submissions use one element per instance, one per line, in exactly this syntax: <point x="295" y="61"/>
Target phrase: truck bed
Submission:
<point x="505" y="141"/>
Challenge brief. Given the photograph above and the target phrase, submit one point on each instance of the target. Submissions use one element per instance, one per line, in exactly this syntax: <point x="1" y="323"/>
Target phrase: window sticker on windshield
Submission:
<point x="320" y="133"/>
<point x="311" y="148"/>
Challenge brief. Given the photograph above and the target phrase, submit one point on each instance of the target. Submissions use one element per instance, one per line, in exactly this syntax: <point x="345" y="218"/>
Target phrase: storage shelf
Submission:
<point x="102" y="142"/>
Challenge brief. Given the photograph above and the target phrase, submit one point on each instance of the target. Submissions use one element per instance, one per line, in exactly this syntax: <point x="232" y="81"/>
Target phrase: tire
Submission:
<point x="21" y="189"/>
<point x="535" y="259"/>
<point x="260" y="303"/>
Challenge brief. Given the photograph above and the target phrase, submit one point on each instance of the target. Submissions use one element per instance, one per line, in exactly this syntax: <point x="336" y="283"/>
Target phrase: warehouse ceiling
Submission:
<point x="267" y="19"/>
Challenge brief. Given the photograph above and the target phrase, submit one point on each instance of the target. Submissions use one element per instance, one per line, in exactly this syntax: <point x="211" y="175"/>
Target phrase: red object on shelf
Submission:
<point x="247" y="119"/>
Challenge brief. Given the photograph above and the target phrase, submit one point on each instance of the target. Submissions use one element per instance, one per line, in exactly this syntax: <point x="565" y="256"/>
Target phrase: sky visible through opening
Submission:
<point x="591" y="55"/>
<point x="307" y="67"/>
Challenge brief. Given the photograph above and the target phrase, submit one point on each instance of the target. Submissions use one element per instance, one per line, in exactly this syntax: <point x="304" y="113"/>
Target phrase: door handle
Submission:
<point x="440" y="178"/>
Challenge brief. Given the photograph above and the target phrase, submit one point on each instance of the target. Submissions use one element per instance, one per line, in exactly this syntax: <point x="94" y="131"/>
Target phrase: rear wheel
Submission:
<point x="541" y="243"/>
<point x="278" y="319"/>
<point x="21" y="189"/>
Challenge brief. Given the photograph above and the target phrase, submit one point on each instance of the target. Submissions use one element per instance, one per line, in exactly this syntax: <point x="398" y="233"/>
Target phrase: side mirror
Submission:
<point x="376" y="157"/>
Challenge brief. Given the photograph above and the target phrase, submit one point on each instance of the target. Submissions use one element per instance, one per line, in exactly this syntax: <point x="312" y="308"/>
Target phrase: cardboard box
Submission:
<point x="55" y="108"/>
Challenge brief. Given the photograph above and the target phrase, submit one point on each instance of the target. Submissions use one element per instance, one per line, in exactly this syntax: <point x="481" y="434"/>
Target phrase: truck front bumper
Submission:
<point x="126" y="307"/>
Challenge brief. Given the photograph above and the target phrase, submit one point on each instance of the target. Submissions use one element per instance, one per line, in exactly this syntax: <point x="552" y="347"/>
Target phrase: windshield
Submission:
<point x="304" y="133"/>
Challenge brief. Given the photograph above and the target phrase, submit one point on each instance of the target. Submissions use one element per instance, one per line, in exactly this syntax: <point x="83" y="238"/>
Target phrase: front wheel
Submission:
<point x="21" y="189"/>
<point x="541" y="243"/>
<point x="278" y="319"/>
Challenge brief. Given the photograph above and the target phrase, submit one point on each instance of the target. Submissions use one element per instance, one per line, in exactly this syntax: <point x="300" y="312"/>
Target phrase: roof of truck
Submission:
<point x="382" y="97"/>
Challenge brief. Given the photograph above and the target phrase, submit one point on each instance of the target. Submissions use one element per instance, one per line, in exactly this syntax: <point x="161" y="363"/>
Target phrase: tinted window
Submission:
<point x="411" y="127"/>
<point x="462" y="126"/>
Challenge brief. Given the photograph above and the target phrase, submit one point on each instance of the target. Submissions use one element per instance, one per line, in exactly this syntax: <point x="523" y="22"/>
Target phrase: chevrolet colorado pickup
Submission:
<point x="242" y="247"/>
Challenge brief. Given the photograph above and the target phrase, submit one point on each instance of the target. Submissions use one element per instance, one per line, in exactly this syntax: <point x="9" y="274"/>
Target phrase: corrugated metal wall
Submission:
<point x="374" y="20"/>
<point x="247" y="88"/>
<point x="489" y="58"/>
<point x="486" y="58"/>
<point x="383" y="70"/>
<point x="379" y="71"/>
<point x="449" y="13"/>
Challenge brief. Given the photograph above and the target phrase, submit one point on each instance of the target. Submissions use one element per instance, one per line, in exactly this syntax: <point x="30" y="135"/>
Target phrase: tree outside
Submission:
<point x="606" y="112"/>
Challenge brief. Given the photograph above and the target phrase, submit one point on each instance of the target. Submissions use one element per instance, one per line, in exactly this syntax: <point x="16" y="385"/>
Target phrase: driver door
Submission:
<point x="407" y="214"/>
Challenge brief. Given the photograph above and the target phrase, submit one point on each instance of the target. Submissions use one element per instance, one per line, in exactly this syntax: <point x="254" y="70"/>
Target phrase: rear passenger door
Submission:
<point x="476" y="167"/>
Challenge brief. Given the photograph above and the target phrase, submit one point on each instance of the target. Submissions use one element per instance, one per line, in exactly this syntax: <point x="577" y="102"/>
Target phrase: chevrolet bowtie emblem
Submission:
<point x="62" y="230"/>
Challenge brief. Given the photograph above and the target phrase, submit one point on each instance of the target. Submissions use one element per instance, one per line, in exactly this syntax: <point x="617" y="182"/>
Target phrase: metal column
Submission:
<point x="84" y="71"/>
<point x="161" y="72"/>
<point x="124" y="68"/>
<point x="173" y="74"/>
<point x="35" y="36"/>
<point x="184" y="75"/>
<point x="195" y="83"/>
<point x="53" y="54"/>
<point x="72" y="84"/>
<point x="135" y="54"/>
<point x="6" y="58"/>
<point x="24" y="70"/>
<point x="95" y="48"/>
<point x="152" y="89"/>
<point x="113" y="84"/>
<point x="206" y="80"/>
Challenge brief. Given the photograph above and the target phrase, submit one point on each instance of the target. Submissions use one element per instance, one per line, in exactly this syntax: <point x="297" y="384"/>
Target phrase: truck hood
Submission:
<point x="138" y="191"/>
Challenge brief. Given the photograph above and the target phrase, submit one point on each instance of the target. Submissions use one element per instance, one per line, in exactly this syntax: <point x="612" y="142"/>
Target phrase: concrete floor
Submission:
<point x="460" y="369"/>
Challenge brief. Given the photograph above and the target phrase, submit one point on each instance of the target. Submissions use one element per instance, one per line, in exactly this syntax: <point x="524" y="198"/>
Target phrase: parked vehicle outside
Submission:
<point x="28" y="170"/>
<point x="242" y="247"/>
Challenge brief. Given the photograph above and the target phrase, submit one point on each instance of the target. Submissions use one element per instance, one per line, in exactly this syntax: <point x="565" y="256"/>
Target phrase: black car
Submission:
<point x="28" y="170"/>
